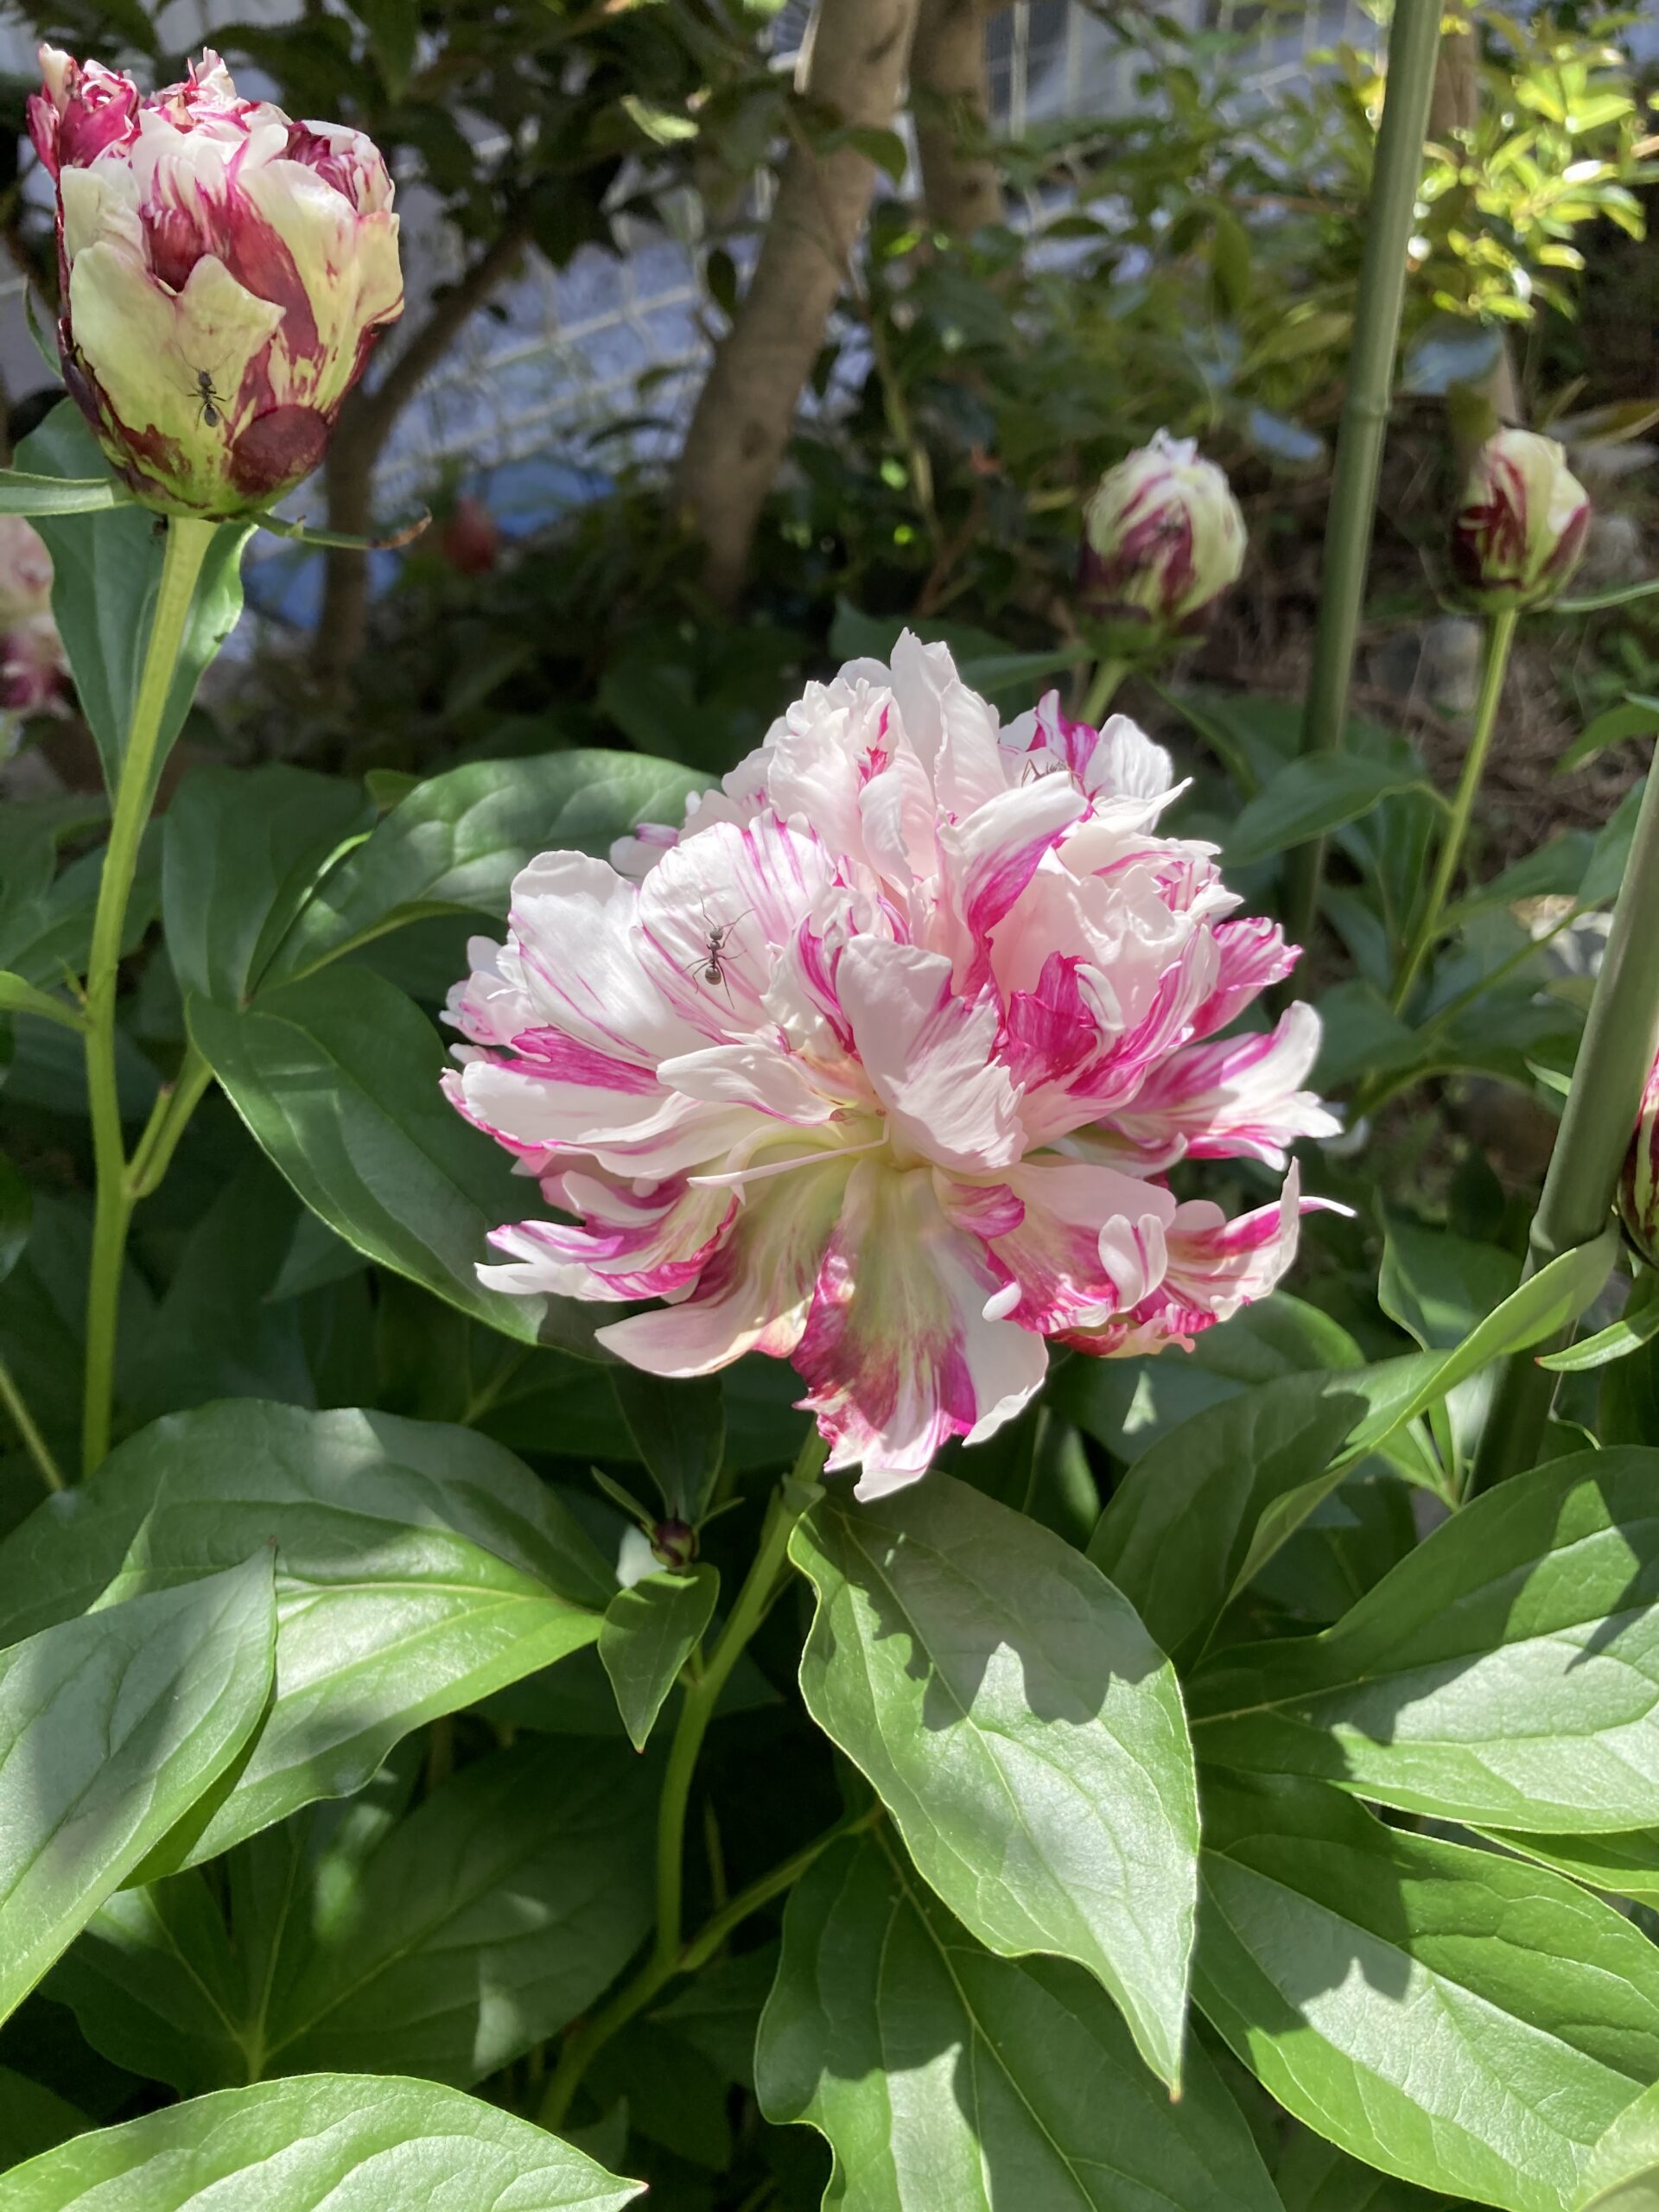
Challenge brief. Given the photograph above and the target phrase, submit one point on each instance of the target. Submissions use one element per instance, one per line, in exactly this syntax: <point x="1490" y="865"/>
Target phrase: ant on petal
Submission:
<point x="711" y="966"/>
<point x="209" y="401"/>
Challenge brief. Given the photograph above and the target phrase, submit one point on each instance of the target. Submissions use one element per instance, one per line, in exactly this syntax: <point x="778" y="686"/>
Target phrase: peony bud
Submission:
<point x="223" y="274"/>
<point x="1163" y="539"/>
<point x="33" y="669"/>
<point x="674" y="1544"/>
<point x="470" y="541"/>
<point x="1519" y="531"/>
<point x="1638" y="1182"/>
<point x="25" y="572"/>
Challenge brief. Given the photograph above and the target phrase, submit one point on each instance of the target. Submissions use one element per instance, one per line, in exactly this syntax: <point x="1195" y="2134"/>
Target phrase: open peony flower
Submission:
<point x="225" y="272"/>
<point x="877" y="1065"/>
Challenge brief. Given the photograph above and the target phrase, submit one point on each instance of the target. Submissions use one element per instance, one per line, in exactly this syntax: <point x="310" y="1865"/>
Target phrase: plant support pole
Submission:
<point x="1413" y="46"/>
<point x="1597" y="1126"/>
<point x="187" y="540"/>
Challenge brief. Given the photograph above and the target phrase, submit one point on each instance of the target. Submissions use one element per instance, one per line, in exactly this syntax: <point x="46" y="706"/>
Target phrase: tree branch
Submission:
<point x="366" y="421"/>
<point x="853" y="69"/>
<point x="376" y="407"/>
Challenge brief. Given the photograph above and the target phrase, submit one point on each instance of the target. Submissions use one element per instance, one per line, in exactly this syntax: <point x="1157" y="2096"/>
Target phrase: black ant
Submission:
<point x="209" y="400"/>
<point x="712" y="966"/>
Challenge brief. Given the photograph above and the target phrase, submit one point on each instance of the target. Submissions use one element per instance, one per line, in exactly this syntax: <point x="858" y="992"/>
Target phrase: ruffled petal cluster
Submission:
<point x="880" y="1063"/>
<point x="225" y="272"/>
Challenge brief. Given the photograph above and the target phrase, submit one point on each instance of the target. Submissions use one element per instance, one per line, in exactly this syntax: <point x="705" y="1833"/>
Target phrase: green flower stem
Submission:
<point x="1608" y="1079"/>
<point x="797" y="1491"/>
<point x="23" y="1422"/>
<point x="1108" y="675"/>
<point x="1499" y="640"/>
<point x="584" y="2043"/>
<point x="174" y="1104"/>
<point x="187" y="540"/>
<point x="670" y="1955"/>
<point x="1413" y="46"/>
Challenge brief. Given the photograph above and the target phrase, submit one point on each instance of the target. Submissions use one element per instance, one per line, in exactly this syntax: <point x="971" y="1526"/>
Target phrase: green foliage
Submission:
<point x="1457" y="2020"/>
<point x="112" y="1729"/>
<point x="106" y="572"/>
<point x="967" y="1660"/>
<point x="781" y="1849"/>
<point x="650" y="1630"/>
<point x="942" y="2073"/>
<point x="419" y="1568"/>
<point x="445" y="1944"/>
<point x="312" y="2138"/>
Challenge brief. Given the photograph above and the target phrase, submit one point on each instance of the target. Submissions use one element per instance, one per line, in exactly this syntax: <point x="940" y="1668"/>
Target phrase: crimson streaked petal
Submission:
<point x="898" y="1354"/>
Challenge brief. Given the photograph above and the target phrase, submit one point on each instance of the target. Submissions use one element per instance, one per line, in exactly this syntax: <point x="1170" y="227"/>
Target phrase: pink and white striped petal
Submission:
<point x="1090" y="1245"/>
<point x="897" y="1352"/>
<point x="1240" y="1098"/>
<point x="929" y="1056"/>
<point x="755" y="1294"/>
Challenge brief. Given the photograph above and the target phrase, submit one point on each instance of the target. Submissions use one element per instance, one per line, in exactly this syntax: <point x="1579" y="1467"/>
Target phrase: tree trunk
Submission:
<point x="950" y="99"/>
<point x="348" y="480"/>
<point x="1455" y="105"/>
<point x="366" y="420"/>
<point x="853" y="66"/>
<point x="1454" y="113"/>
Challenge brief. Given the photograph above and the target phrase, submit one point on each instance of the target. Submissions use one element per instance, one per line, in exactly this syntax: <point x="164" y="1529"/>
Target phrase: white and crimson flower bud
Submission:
<point x="1163" y="539"/>
<point x="1638" y="1182"/>
<point x="224" y="273"/>
<point x="33" y="668"/>
<point x="1519" y="533"/>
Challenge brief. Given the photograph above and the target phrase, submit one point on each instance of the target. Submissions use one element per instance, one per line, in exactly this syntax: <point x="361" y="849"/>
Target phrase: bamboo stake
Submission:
<point x="1413" y="44"/>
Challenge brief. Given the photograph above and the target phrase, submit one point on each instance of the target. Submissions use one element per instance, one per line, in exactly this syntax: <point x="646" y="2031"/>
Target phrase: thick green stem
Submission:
<point x="797" y="1491"/>
<point x="1108" y="675"/>
<point x="1413" y="44"/>
<point x="582" y="2044"/>
<point x="669" y="1954"/>
<point x="1499" y="639"/>
<point x="187" y="541"/>
<point x="34" y="1443"/>
<point x="1611" y="1070"/>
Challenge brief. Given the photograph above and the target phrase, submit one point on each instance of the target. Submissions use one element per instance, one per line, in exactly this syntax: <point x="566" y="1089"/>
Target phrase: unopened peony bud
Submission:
<point x="471" y="538"/>
<point x="1163" y="539"/>
<point x="224" y="273"/>
<point x="1519" y="531"/>
<point x="1638" y="1183"/>
<point x="675" y="1543"/>
<point x="25" y="572"/>
<point x="34" y="672"/>
<point x="33" y="669"/>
